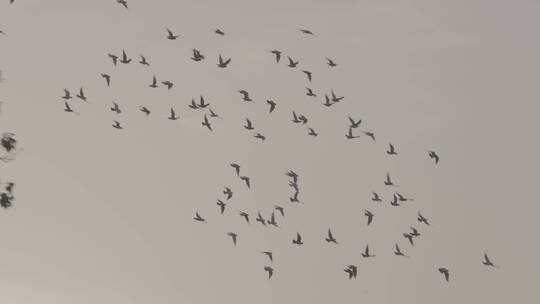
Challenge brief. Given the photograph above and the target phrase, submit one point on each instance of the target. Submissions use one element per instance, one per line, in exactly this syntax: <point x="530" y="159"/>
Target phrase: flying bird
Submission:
<point x="228" y="192"/>
<point x="398" y="251"/>
<point x="114" y="58"/>
<point x="280" y="209"/>
<point x="245" y="95"/>
<point x="434" y="155"/>
<point x="369" y="216"/>
<point x="198" y="217"/>
<point x="154" y="83"/>
<point x="370" y="134"/>
<point x="349" y="135"/>
<point x="414" y="232"/>
<point x="219" y="32"/>
<point x="307" y="32"/>
<point x="144" y="110"/>
<point x="409" y="237"/>
<point x="236" y="168"/>
<point x="270" y="271"/>
<point x="392" y="150"/>
<point x="212" y="114"/>
<point x="269" y="255"/>
<point x="222" y="63"/>
<point x="277" y="54"/>
<point x="298" y="240"/>
<point x="312" y="132"/>
<point x="330" y="62"/>
<point x="67" y="94"/>
<point x="123" y="2"/>
<point x="117" y="125"/>
<point x="292" y="63"/>
<point x="327" y="102"/>
<point x="352" y="271"/>
<point x="202" y="104"/>
<point x="107" y="79"/>
<point x="272" y="105"/>
<point x="170" y="35"/>
<point x="143" y="61"/>
<point x="67" y="108"/>
<point x="403" y="198"/>
<point x="197" y="56"/>
<point x="310" y="92"/>
<point x="168" y="84"/>
<point x="234" y="237"/>
<point x="260" y="136"/>
<point x="422" y="219"/>
<point x="260" y="219"/>
<point x="366" y="253"/>
<point x="330" y="238"/>
<point x="125" y="59"/>
<point x="394" y="201"/>
<point x="221" y="205"/>
<point x="335" y="98"/>
<point x="445" y="272"/>
<point x="272" y="220"/>
<point x="487" y="261"/>
<point x="249" y="125"/>
<point x="81" y="95"/>
<point x="295" y="118"/>
<point x="376" y="197"/>
<point x="354" y="123"/>
<point x="246" y="180"/>
<point x="193" y="104"/>
<point x="388" y="182"/>
<point x="294" y="198"/>
<point x="207" y="123"/>
<point x="116" y="108"/>
<point x="172" y="115"/>
<point x="308" y="74"/>
<point x="245" y="216"/>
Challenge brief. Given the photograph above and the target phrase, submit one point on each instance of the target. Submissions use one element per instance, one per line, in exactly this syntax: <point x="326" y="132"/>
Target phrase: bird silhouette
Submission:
<point x="294" y="198"/>
<point x="236" y="168"/>
<point x="376" y="197"/>
<point x="295" y="118"/>
<point x="202" y="104"/>
<point x="197" y="56"/>
<point x="308" y="74"/>
<point x="352" y="271"/>
<point x="222" y="63"/>
<point x="388" y="181"/>
<point x="245" y="216"/>
<point x="330" y="62"/>
<point x="67" y="108"/>
<point x="246" y="180"/>
<point x="198" y="217"/>
<point x="207" y="123"/>
<point x="310" y="92"/>
<point x="269" y="255"/>
<point x="366" y="253"/>
<point x="116" y="108"/>
<point x="354" y="124"/>
<point x="219" y="32"/>
<point x="369" y="216"/>
<point x="144" y="110"/>
<point x="270" y="271"/>
<point x="245" y="95"/>
<point x="488" y="262"/>
<point x="114" y="58"/>
<point x="143" y="61"/>
<point x="117" y="125"/>
<point x="212" y="114"/>
<point x="349" y="134"/>
<point x="298" y="240"/>
<point x="67" y="95"/>
<point x="434" y="155"/>
<point x="403" y="198"/>
<point x="172" y="115"/>
<point x="228" y="193"/>
<point x="272" y="105"/>
<point x="327" y="102"/>
<point x="168" y="84"/>
<point x="154" y="83"/>
<point x="330" y="238"/>
<point x="422" y="219"/>
<point x="125" y="59"/>
<point x="445" y="272"/>
<point x="391" y="150"/>
<point x="414" y="232"/>
<point x="394" y="201"/>
<point x="312" y="132"/>
<point x="234" y="237"/>
<point x="409" y="237"/>
<point x="280" y="209"/>
<point x="193" y="104"/>
<point x="292" y="63"/>
<point x="123" y="2"/>
<point x="260" y="136"/>
<point x="335" y="98"/>
<point x="170" y="35"/>
<point x="272" y="220"/>
<point x="398" y="251"/>
<point x="248" y="125"/>
<point x="107" y="79"/>
<point x="307" y="32"/>
<point x="260" y="219"/>
<point x="221" y="205"/>
<point x="370" y="134"/>
<point x="81" y="95"/>
<point x="277" y="54"/>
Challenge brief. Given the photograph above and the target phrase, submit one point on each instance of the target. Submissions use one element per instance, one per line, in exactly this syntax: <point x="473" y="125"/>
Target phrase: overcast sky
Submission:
<point x="105" y="216"/>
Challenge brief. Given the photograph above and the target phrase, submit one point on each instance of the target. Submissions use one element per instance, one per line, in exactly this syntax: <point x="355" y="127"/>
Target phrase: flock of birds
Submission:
<point x="200" y="104"/>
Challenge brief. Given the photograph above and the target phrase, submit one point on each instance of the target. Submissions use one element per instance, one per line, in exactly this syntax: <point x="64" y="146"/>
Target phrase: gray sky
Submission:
<point x="105" y="216"/>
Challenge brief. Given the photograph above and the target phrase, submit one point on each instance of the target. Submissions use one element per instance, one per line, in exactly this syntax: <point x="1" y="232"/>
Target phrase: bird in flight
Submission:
<point x="388" y="182"/>
<point x="67" y="108"/>
<point x="249" y="125"/>
<point x="236" y="168"/>
<point x="409" y="237"/>
<point x="434" y="155"/>
<point x="398" y="251"/>
<point x="298" y="240"/>
<point x="269" y="255"/>
<point x="310" y="92"/>
<point x="144" y="110"/>
<point x="245" y="216"/>
<point x="366" y="253"/>
<point x="312" y="132"/>
<point x="154" y="83"/>
<point x="228" y="193"/>
<point x="123" y="2"/>
<point x="295" y="118"/>
<point x="445" y="272"/>
<point x="308" y="74"/>
<point x="272" y="220"/>
<point x="245" y="95"/>
<point x="330" y="238"/>
<point x="207" y="123"/>
<point x="292" y="63"/>
<point x="272" y="105"/>
<point x="330" y="62"/>
<point x="107" y="79"/>
<point x="116" y="108"/>
<point x="234" y="237"/>
<point x="488" y="262"/>
<point x="143" y="61"/>
<point x="260" y="219"/>
<point x="170" y="35"/>
<point x="335" y="98"/>
<point x="81" y="95"/>
<point x="414" y="232"/>
<point x="369" y="216"/>
<point x="403" y="198"/>
<point x="172" y="115"/>
<point x="270" y="271"/>
<point x="394" y="201"/>
<point x="370" y="134"/>
<point x="307" y="32"/>
<point x="354" y="124"/>
<point x="199" y="218"/>
<point x="376" y="197"/>
<point x="168" y="84"/>
<point x="294" y="198"/>
<point x="349" y="135"/>
<point x="221" y="205"/>
<point x="114" y="58"/>
<point x="125" y="59"/>
<point x="422" y="219"/>
<point x="212" y="114"/>
<point x="202" y="104"/>
<point x="280" y="209"/>
<point x="219" y="32"/>
<point x="222" y="63"/>
<point x="197" y="56"/>
<point x="67" y="94"/>
<point x="277" y="54"/>
<point x="246" y="180"/>
<point x="117" y="125"/>
<point x="392" y="150"/>
<point x="352" y="270"/>
<point x="193" y="104"/>
<point x="327" y="102"/>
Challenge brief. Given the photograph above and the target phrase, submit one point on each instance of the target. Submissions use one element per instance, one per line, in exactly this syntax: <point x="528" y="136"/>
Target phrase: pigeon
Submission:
<point x="236" y="168"/>
<point x="388" y="182"/>
<point x="434" y="155"/>
<point x="272" y="105"/>
<point x="170" y="35"/>
<point x="298" y="240"/>
<point x="445" y="272"/>
<point x="349" y="135"/>
<point x="197" y="56"/>
<point x="272" y="220"/>
<point x="67" y="108"/>
<point x="376" y="197"/>
<point x="354" y="124"/>
<point x="292" y="63"/>
<point x="402" y="198"/>
<point x="280" y="209"/>
<point x="212" y="114"/>
<point x="269" y="255"/>
<point x="414" y="232"/>
<point x="172" y="115"/>
<point x="202" y="104"/>
<point x="398" y="251"/>
<point x="125" y="59"/>
<point x="81" y="95"/>
<point x="394" y="202"/>
<point x="168" y="84"/>
<point x="245" y="216"/>
<point x="193" y="104"/>
<point x="392" y="150"/>
<point x="330" y="62"/>
<point x="310" y="92"/>
<point x="409" y="237"/>
<point x="117" y="125"/>
<point x="295" y="118"/>
<point x="207" y="123"/>
<point x="223" y="64"/>
<point x="228" y="192"/>
<point x="154" y="83"/>
<point x="67" y="95"/>
<point x="245" y="96"/>
<point x="422" y="219"/>
<point x="116" y="108"/>
<point x="198" y="217"/>
<point x="369" y="216"/>
<point x="335" y="98"/>
<point x="370" y="134"/>
<point x="366" y="253"/>
<point x="327" y="102"/>
<point x="260" y="219"/>
<point x="246" y="180"/>
<point x="221" y="205"/>
<point x="312" y="132"/>
<point x="219" y="32"/>
<point x="234" y="237"/>
<point x="330" y="238"/>
<point x="270" y="271"/>
<point x="114" y="58"/>
<point x="107" y="79"/>
<point x="308" y="74"/>
<point x="249" y="125"/>
<point x="487" y="261"/>
<point x="352" y="271"/>
<point x="144" y="110"/>
<point x="260" y="136"/>
<point x="277" y="54"/>
<point x="143" y="61"/>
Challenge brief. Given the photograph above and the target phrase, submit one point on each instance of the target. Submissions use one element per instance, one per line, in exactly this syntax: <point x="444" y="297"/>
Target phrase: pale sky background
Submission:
<point x="105" y="216"/>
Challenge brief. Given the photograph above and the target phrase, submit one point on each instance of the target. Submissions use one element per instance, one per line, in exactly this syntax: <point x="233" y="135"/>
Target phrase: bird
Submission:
<point x="398" y="251"/>
<point x="349" y="135"/>
<point x="143" y="61"/>
<point x="392" y="150"/>
<point x="212" y="114"/>
<point x="144" y="110"/>
<point x="223" y="64"/>
<point x="335" y="98"/>
<point x="114" y="58"/>
<point x="249" y="125"/>
<point x="487" y="261"/>
<point x="277" y="54"/>
<point x="294" y="198"/>
<point x="260" y="136"/>
<point x="330" y="62"/>
<point x="221" y="205"/>
<point x="172" y="115"/>
<point x="352" y="271"/>
<point x="402" y="198"/>
<point x="107" y="79"/>
<point x="369" y="216"/>
<point x="245" y="95"/>
<point x="246" y="180"/>
<point x="236" y="168"/>
<point x="308" y="74"/>
<point x="295" y="118"/>
<point x="116" y="108"/>
<point x="269" y="255"/>
<point x="219" y="32"/>
<point x="303" y="119"/>
<point x="123" y="2"/>
<point x="260" y="219"/>
<point x="117" y="125"/>
<point x="292" y="175"/>
<point x="414" y="232"/>
<point x="366" y="253"/>
<point x="298" y="240"/>
<point x="197" y="56"/>
<point x="202" y="104"/>
<point x="409" y="237"/>
<point x="245" y="216"/>
<point x="228" y="192"/>
<point x="170" y="35"/>
<point x="422" y="219"/>
<point x="272" y="105"/>
<point x="310" y="92"/>
<point x="193" y="104"/>
<point x="198" y="217"/>
<point x="292" y="63"/>
<point x="270" y="271"/>
<point x="370" y="134"/>
<point x="125" y="59"/>
<point x="207" y="123"/>
<point x="394" y="201"/>
<point x="434" y="155"/>
<point x="168" y="84"/>
<point x="154" y="83"/>
<point x="354" y="124"/>
<point x="327" y="102"/>
<point x="67" y="108"/>
<point x="234" y="237"/>
<point x="376" y="197"/>
<point x="272" y="220"/>
<point x="312" y="132"/>
<point x="67" y="94"/>
<point x="280" y="209"/>
<point x="388" y="182"/>
<point x="330" y="238"/>
<point x="81" y="95"/>
<point x="445" y="272"/>
<point x="307" y="32"/>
